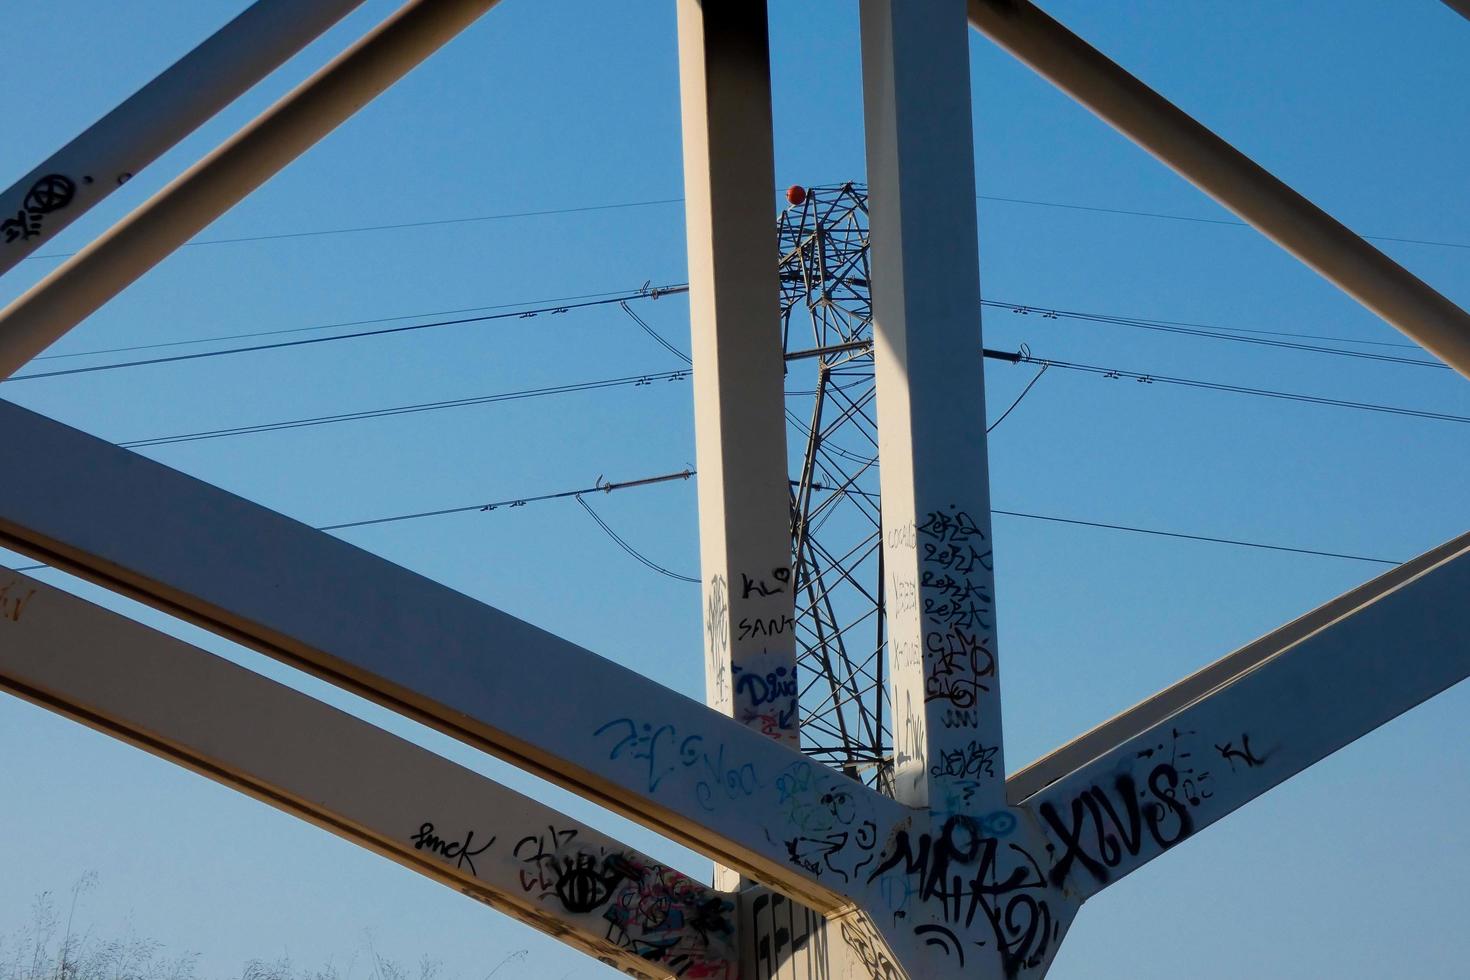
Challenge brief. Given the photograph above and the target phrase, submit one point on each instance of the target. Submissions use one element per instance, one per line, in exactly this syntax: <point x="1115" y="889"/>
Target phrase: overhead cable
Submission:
<point x="637" y="380"/>
<point x="605" y="487"/>
<point x="1162" y="326"/>
<point x="548" y="212"/>
<point x="557" y="300"/>
<point x="1019" y="398"/>
<point x="279" y="345"/>
<point x="1145" y="378"/>
<point x="634" y="552"/>
<point x="657" y="337"/>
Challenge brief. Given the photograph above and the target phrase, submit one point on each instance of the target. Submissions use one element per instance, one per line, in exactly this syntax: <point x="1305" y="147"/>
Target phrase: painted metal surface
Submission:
<point x="431" y="653"/>
<point x="1230" y="177"/>
<point x="939" y="586"/>
<point x="168" y="219"/>
<point x="120" y="144"/>
<point x="1105" y="738"/>
<point x="739" y="424"/>
<point x="988" y="896"/>
<point x="363" y="784"/>
<point x="1316" y="694"/>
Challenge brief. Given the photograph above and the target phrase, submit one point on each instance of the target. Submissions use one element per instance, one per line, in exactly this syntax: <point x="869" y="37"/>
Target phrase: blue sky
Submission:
<point x="1350" y="870"/>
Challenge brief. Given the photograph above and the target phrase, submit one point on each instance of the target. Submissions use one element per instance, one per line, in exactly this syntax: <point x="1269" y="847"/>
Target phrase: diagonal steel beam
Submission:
<point x="426" y="651"/>
<point x="222" y="179"/>
<point x="363" y="784"/>
<point x="1229" y="176"/>
<point x="1103" y="739"/>
<point x="107" y="155"/>
<point x="1350" y="671"/>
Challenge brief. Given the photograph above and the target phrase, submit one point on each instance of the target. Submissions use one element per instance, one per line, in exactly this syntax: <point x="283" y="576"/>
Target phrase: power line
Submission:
<point x="508" y="215"/>
<point x="1117" y="373"/>
<point x="623" y="297"/>
<point x="280" y="345"/>
<point x="1196" y="537"/>
<point x="603" y="487"/>
<point x="558" y="300"/>
<point x="1159" y="533"/>
<point x="598" y="487"/>
<point x="644" y="380"/>
<point x="657" y="337"/>
<point x="1044" y="310"/>
<point x="1019" y="398"/>
<point x="1164" y="326"/>
<point x="355" y="229"/>
<point x="639" y="380"/>
<point x="634" y="552"/>
<point x="1192" y="218"/>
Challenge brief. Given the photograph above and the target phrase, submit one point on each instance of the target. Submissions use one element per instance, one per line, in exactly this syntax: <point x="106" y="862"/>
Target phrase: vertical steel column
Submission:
<point x="83" y="172"/>
<point x="734" y="315"/>
<point x="931" y="406"/>
<point x="739" y="424"/>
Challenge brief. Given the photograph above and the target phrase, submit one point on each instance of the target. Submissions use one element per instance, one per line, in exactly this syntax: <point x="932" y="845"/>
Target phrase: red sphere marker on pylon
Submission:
<point x="796" y="194"/>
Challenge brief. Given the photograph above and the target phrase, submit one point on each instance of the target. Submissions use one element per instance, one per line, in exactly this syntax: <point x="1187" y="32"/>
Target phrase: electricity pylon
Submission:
<point x="827" y="335"/>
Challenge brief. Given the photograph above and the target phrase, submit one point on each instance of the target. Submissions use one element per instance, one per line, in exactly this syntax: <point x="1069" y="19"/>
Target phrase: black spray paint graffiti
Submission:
<point x="963" y="771"/>
<point x="784" y="934"/>
<point x="1244" y="754"/>
<point x="871" y="951"/>
<point x="762" y="588"/>
<point x="13" y="598"/>
<point x="764" y="626"/>
<point x="460" y="852"/>
<point x="49" y="194"/>
<point x="1104" y="826"/>
<point x="1098" y="837"/>
<point x="836" y="834"/>
<point x="651" y="910"/>
<point x="954" y="586"/>
<point x="971" y="877"/>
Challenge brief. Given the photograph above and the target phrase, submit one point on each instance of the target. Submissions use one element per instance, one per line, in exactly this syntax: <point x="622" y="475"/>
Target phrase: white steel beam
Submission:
<point x="365" y="785"/>
<point x="739" y="369"/>
<point x="1310" y="697"/>
<point x="1228" y="176"/>
<point x="211" y="187"/>
<point x="1106" y="737"/>
<point x="107" y="155"/>
<point x="931" y="407"/>
<point x="426" y="651"/>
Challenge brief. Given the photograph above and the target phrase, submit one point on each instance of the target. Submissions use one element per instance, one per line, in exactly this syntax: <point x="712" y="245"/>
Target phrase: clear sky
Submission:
<point x="1353" y="870"/>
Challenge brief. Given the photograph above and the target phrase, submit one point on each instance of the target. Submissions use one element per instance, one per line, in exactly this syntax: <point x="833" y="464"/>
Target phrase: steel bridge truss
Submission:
<point x="952" y="869"/>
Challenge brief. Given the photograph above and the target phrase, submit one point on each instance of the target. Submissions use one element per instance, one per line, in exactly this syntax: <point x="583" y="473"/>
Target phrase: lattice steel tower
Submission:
<point x="835" y="530"/>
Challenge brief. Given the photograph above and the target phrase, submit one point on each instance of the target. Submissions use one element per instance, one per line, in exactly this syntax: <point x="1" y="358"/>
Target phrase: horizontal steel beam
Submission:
<point x="1313" y="695"/>
<point x="168" y="219"/>
<point x="424" y="650"/>
<point x="1106" y="737"/>
<point x="83" y="172"/>
<point x="363" y="784"/>
<point x="1229" y="176"/>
